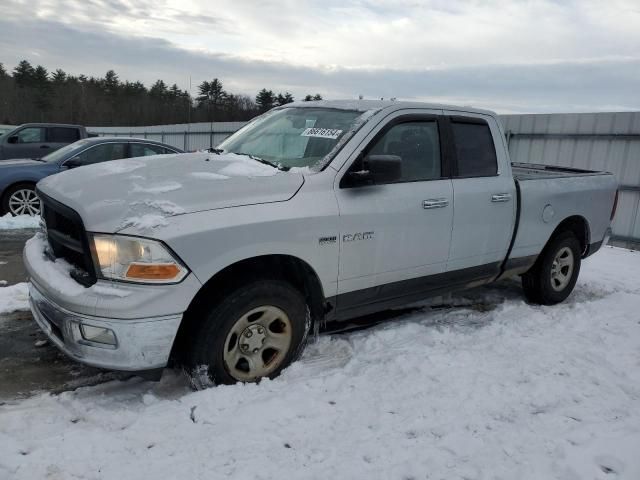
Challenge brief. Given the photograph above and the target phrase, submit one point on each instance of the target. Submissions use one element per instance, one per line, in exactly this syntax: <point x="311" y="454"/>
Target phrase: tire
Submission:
<point x="17" y="193"/>
<point x="552" y="279"/>
<point x="255" y="331"/>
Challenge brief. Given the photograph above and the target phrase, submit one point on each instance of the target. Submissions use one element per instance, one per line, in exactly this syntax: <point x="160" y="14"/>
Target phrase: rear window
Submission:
<point x="475" y="151"/>
<point x="63" y="135"/>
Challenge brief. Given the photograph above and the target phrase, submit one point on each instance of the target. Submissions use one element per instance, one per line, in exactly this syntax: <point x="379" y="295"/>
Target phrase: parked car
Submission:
<point x="35" y="140"/>
<point x="18" y="178"/>
<point x="315" y="211"/>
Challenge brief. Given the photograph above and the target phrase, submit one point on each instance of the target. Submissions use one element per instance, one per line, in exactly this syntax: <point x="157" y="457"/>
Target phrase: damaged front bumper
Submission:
<point x="118" y="344"/>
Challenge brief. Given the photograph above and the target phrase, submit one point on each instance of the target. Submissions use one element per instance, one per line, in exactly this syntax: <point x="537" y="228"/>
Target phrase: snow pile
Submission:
<point x="208" y="176"/>
<point x="119" y="166"/>
<point x="14" y="298"/>
<point x="243" y="166"/>
<point x="515" y="392"/>
<point x="145" y="222"/>
<point x="163" y="187"/>
<point x="165" y="206"/>
<point x="8" y="222"/>
<point x="57" y="273"/>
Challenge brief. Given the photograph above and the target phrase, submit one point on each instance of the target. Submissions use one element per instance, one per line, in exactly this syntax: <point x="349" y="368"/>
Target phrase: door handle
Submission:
<point x="435" y="203"/>
<point x="45" y="146"/>
<point x="500" y="197"/>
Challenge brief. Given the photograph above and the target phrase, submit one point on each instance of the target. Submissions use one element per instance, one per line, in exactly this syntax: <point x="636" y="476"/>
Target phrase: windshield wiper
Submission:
<point x="217" y="151"/>
<point x="262" y="160"/>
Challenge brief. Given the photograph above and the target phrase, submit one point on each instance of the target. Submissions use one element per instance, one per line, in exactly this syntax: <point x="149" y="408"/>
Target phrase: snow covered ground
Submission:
<point x="13" y="298"/>
<point x="8" y="222"/>
<point x="513" y="392"/>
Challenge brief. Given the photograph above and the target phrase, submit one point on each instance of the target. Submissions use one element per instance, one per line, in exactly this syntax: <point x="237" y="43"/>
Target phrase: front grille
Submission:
<point x="68" y="238"/>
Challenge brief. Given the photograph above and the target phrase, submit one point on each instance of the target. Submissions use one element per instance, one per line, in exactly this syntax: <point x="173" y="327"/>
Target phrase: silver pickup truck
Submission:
<point x="225" y="260"/>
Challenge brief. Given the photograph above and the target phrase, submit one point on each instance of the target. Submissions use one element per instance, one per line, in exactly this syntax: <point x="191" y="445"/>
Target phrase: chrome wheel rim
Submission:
<point x="562" y="269"/>
<point x="24" y="202"/>
<point x="257" y="343"/>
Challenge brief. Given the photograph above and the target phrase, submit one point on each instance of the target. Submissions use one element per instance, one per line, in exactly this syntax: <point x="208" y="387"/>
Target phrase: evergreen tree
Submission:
<point x="42" y="88"/>
<point x="265" y="100"/>
<point x="284" y="99"/>
<point x="111" y="83"/>
<point x="23" y="74"/>
<point x="59" y="77"/>
<point x="211" y="97"/>
<point x="158" y="90"/>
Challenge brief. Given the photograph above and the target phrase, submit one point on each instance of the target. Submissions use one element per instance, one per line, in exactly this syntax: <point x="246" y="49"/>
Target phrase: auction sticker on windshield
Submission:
<point x="322" y="133"/>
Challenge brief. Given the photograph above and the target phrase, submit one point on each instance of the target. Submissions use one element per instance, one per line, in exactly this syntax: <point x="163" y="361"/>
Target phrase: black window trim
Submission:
<point x="448" y="120"/>
<point x="446" y="145"/>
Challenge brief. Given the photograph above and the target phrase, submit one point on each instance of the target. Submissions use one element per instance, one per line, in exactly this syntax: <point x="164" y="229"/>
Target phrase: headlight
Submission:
<point x="132" y="259"/>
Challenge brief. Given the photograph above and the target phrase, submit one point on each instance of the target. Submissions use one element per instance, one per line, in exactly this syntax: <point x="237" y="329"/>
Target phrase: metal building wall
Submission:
<point x="592" y="141"/>
<point x="189" y="137"/>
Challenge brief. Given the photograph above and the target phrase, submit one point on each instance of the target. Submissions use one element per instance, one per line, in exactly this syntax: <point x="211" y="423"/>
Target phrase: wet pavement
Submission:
<point x="11" y="245"/>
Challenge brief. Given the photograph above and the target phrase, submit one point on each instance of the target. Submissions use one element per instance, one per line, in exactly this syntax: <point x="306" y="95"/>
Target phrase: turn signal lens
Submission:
<point x="139" y="271"/>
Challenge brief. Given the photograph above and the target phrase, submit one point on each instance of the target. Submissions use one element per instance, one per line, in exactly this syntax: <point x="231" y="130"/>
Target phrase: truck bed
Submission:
<point x="564" y="193"/>
<point x="533" y="171"/>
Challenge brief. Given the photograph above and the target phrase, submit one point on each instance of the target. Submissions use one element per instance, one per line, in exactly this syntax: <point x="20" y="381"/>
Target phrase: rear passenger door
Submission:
<point x="484" y="196"/>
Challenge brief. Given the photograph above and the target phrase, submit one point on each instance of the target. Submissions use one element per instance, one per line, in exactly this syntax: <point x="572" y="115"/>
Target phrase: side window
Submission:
<point x="63" y="135"/>
<point x="418" y="146"/>
<point x="103" y="153"/>
<point x="146" y="149"/>
<point x="475" y="151"/>
<point x="31" y="135"/>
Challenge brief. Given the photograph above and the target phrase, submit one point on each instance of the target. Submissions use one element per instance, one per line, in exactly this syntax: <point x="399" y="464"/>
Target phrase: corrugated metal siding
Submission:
<point x="592" y="141"/>
<point x="194" y="136"/>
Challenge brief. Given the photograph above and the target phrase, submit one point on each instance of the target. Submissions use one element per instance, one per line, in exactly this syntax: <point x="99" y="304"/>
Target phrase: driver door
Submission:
<point x="29" y="142"/>
<point x="395" y="237"/>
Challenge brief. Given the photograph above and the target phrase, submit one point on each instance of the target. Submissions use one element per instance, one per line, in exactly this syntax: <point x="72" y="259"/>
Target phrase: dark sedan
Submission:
<point x="18" y="177"/>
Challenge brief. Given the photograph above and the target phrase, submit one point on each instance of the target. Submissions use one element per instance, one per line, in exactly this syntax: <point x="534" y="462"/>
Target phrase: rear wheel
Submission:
<point x="21" y="199"/>
<point x="255" y="331"/>
<point x="553" y="277"/>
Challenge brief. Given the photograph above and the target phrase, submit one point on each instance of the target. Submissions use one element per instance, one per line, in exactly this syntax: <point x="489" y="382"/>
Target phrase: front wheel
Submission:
<point x="255" y="331"/>
<point x="555" y="273"/>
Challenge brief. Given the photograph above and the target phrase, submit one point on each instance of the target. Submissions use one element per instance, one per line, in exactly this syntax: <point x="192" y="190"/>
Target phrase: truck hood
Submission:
<point x="140" y="194"/>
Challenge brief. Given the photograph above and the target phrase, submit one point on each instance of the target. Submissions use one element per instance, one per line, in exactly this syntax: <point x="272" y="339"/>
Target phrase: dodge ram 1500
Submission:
<point x="314" y="211"/>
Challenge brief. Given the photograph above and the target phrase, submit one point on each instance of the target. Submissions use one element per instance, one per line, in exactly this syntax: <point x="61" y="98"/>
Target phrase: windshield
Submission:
<point x="66" y="152"/>
<point x="292" y="137"/>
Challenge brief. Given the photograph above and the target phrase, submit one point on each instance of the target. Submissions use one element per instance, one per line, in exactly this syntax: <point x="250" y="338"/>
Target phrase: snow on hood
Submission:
<point x="142" y="192"/>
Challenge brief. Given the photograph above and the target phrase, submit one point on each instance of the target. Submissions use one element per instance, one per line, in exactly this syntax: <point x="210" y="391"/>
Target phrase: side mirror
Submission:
<point x="73" y="162"/>
<point x="13" y="139"/>
<point x="376" y="169"/>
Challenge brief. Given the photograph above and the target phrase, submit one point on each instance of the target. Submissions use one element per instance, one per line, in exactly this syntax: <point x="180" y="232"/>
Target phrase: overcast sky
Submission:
<point x="522" y="56"/>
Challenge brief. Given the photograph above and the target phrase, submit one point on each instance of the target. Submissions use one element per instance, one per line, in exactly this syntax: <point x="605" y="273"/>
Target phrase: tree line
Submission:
<point x="33" y="94"/>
